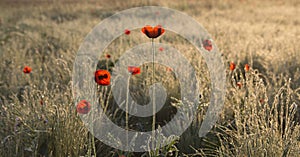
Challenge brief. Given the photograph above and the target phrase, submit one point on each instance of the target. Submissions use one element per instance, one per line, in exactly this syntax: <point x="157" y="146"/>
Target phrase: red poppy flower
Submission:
<point x="102" y="77"/>
<point x="247" y="67"/>
<point x="83" y="107"/>
<point x="261" y="101"/>
<point x="232" y="66"/>
<point x="41" y="102"/>
<point x="207" y="45"/>
<point x="107" y="56"/>
<point x="161" y="49"/>
<point x="27" y="70"/>
<point x="169" y="69"/>
<point x="134" y="70"/>
<point x="153" y="32"/>
<point x="127" y="31"/>
<point x="239" y="84"/>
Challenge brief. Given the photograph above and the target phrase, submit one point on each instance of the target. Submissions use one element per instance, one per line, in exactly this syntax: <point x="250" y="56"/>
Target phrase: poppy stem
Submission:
<point x="127" y="116"/>
<point x="107" y="65"/>
<point x="153" y="95"/>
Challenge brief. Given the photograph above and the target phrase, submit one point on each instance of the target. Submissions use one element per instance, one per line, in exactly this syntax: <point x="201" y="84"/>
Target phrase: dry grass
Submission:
<point x="37" y="114"/>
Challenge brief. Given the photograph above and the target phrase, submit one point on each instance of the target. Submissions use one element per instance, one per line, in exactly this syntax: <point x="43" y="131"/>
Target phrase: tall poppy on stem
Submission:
<point x="102" y="77"/>
<point x="153" y="32"/>
<point x="133" y="70"/>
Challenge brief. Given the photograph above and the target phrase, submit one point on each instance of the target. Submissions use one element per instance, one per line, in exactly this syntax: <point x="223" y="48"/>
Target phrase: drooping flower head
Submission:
<point x="133" y="70"/>
<point x="83" y="107"/>
<point x="153" y="32"/>
<point x="102" y="77"/>
<point x="27" y="70"/>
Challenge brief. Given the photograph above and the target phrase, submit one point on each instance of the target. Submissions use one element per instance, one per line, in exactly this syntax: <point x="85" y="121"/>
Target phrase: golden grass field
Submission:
<point x="261" y="118"/>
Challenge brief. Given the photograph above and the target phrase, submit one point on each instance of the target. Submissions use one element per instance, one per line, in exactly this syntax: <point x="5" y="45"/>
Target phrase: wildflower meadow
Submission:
<point x="44" y="113"/>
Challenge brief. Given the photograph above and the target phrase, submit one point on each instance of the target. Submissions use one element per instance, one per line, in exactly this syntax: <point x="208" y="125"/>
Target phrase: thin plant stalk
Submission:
<point x="153" y="95"/>
<point x="94" y="146"/>
<point x="126" y="114"/>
